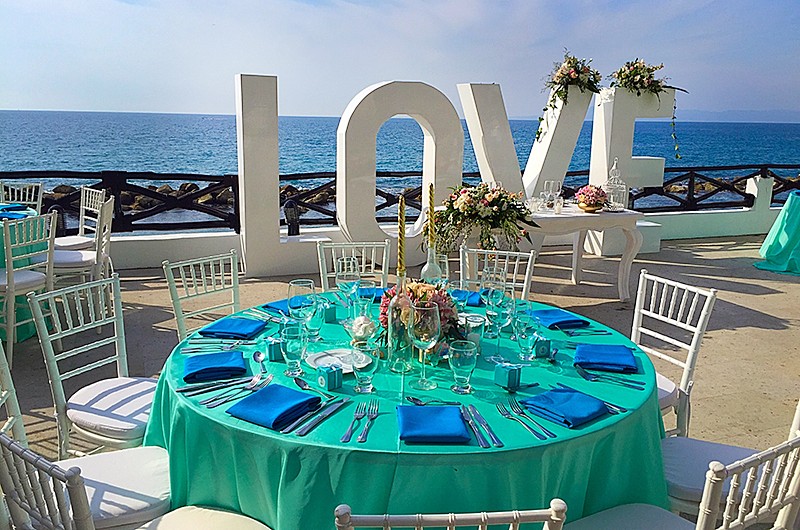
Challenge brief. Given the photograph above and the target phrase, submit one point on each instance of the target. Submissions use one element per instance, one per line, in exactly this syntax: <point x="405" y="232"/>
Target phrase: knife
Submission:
<point x="216" y="386"/>
<point x="478" y="434"/>
<point x="326" y="412"/>
<point x="483" y="423"/>
<point x="302" y="419"/>
<point x="593" y="378"/>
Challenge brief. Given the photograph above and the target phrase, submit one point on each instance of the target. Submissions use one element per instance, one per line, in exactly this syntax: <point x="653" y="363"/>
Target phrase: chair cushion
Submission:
<point x="73" y="243"/>
<point x="125" y="487"/>
<point x="667" y="392"/>
<point x="192" y="517"/>
<point x="632" y="517"/>
<point x="24" y="281"/>
<point x="73" y="258"/>
<point x="686" y="463"/>
<point x="117" y="408"/>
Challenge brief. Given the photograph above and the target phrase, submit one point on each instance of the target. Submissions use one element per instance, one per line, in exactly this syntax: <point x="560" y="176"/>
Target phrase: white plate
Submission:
<point x="340" y="356"/>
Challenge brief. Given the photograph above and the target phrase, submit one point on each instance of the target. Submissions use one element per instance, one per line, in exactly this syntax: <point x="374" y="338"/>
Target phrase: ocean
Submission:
<point x="206" y="144"/>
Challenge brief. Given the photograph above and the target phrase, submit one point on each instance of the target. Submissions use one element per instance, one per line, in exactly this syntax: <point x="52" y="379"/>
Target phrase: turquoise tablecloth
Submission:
<point x="293" y="483"/>
<point x="781" y="247"/>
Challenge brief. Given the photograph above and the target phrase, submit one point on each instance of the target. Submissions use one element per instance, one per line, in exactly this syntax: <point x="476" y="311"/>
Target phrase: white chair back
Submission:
<point x="518" y="267"/>
<point x="28" y="250"/>
<point x="91" y="203"/>
<point x="40" y="492"/>
<point x="77" y="314"/>
<point x="552" y="518"/>
<point x="762" y="487"/>
<point x="198" y="288"/>
<point x="676" y="315"/>
<point x="29" y="195"/>
<point x="373" y="258"/>
<point x="12" y="424"/>
<point x="103" y="267"/>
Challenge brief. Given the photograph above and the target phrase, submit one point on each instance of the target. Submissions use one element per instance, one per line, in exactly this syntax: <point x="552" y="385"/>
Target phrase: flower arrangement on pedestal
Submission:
<point x="639" y="77"/>
<point x="491" y="211"/>
<point x="419" y="292"/>
<point x="571" y="72"/>
<point x="591" y="198"/>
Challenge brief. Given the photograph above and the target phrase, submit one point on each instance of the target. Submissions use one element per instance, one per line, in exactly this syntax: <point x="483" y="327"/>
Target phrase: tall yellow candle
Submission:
<point x="401" y="235"/>
<point x="431" y="229"/>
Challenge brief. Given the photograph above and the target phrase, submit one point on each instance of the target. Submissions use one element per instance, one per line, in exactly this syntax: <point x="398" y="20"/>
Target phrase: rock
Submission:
<point x="224" y="197"/>
<point x="64" y="189"/>
<point x="142" y="202"/>
<point x="205" y="199"/>
<point x="187" y="187"/>
<point x="126" y="198"/>
<point x="323" y="197"/>
<point x="166" y="189"/>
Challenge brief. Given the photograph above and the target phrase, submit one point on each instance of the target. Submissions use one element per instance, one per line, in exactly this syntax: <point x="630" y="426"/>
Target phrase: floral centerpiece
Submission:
<point x="484" y="209"/>
<point x="639" y="77"/>
<point x="591" y="198"/>
<point x="571" y="72"/>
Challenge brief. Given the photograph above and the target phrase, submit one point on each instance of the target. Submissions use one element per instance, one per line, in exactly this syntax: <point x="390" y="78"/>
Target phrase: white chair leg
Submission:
<point x="11" y="325"/>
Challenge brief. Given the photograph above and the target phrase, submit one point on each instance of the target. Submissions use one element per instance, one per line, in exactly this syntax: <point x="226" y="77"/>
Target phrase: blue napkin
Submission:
<point x="377" y="292"/>
<point x="12" y="215"/>
<point x="213" y="366"/>
<point x="473" y="298"/>
<point x="558" y="319"/>
<point x="279" y="306"/>
<point x="606" y="357"/>
<point x="274" y="406"/>
<point x="13" y="207"/>
<point x="431" y="425"/>
<point x="567" y="407"/>
<point x="234" y="327"/>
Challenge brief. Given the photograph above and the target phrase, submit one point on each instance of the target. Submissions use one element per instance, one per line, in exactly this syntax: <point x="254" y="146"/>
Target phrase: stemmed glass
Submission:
<point x="459" y="291"/>
<point x="362" y="325"/>
<point x="462" y="356"/>
<point x="365" y="364"/>
<point x="501" y="309"/>
<point x="302" y="300"/>
<point x="424" y="333"/>
<point x="294" y="340"/>
<point x="553" y="187"/>
<point x="348" y="277"/>
<point x="491" y="277"/>
<point x="526" y="330"/>
<point x="314" y="324"/>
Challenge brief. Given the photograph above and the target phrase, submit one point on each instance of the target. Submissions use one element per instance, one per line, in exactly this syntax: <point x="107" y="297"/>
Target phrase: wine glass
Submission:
<point x="443" y="260"/>
<point x="348" y="277"/>
<point x="365" y="364"/>
<point x="302" y="301"/>
<point x="492" y="279"/>
<point x="459" y="291"/>
<point x="526" y="330"/>
<point x="501" y="310"/>
<point x="424" y="332"/>
<point x="553" y="187"/>
<point x="314" y="324"/>
<point x="462" y="356"/>
<point x="294" y="340"/>
<point x="366" y="289"/>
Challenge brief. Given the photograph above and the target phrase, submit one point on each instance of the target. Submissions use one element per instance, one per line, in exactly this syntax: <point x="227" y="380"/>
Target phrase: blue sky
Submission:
<point x="182" y="55"/>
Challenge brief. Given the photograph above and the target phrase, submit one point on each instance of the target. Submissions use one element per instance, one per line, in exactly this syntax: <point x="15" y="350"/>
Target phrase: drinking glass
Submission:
<point x="521" y="306"/>
<point x="526" y="329"/>
<point x="365" y="363"/>
<point x="474" y="325"/>
<point x="491" y="277"/>
<point x="362" y="325"/>
<point x="302" y="301"/>
<point x="366" y="290"/>
<point x="553" y="187"/>
<point x="501" y="310"/>
<point x="424" y="333"/>
<point x="314" y="324"/>
<point x="443" y="260"/>
<point x="462" y="356"/>
<point x="348" y="277"/>
<point x="460" y="288"/>
<point x="294" y="340"/>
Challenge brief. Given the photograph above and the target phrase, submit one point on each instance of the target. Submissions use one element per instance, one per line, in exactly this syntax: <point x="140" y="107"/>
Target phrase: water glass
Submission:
<point x="501" y="310"/>
<point x="294" y="340"/>
<point x="526" y="329"/>
<point x="362" y="325"/>
<point x="424" y="332"/>
<point x="463" y="355"/>
<point x="366" y="290"/>
<point x="443" y="260"/>
<point x="348" y="278"/>
<point x="302" y="301"/>
<point x="474" y="325"/>
<point x="365" y="359"/>
<point x="460" y="288"/>
<point x="314" y="324"/>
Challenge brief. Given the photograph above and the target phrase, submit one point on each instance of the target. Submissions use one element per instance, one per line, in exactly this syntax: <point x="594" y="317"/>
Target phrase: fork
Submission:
<point x="358" y="415"/>
<point x="242" y="393"/>
<point x="519" y="411"/>
<point x="506" y="414"/>
<point x="372" y="413"/>
<point x="230" y="391"/>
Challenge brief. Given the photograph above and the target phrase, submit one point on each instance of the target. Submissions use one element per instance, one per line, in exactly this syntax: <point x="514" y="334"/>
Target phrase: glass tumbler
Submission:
<point x="294" y="340"/>
<point x="365" y="364"/>
<point x="463" y="355"/>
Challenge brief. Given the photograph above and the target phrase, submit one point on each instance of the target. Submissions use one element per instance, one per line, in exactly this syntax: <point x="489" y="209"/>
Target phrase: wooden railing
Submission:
<point x="685" y="189"/>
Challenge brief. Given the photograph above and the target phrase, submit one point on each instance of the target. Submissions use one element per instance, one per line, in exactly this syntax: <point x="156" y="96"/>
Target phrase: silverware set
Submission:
<point x="358" y="415"/>
<point x="584" y="331"/>
<point x="609" y="378"/>
<point x="372" y="414"/>
<point x="506" y="414"/>
<point x="612" y="408"/>
<point x="517" y="409"/>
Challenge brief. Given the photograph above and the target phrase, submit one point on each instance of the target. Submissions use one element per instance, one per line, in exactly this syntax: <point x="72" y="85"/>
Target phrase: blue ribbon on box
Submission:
<point x="431" y="425"/>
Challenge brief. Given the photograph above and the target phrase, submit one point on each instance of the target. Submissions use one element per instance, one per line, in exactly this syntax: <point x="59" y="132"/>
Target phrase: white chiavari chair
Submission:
<point x="669" y="318"/>
<point x="111" y="411"/>
<point x="29" y="195"/>
<point x="553" y="519"/>
<point x="373" y="259"/>
<point x="201" y="288"/>
<point x="89" y="219"/>
<point x="28" y="244"/>
<point x="518" y="267"/>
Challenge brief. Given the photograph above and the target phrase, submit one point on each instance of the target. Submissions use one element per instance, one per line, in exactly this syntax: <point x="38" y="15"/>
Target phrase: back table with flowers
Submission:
<point x="492" y="212"/>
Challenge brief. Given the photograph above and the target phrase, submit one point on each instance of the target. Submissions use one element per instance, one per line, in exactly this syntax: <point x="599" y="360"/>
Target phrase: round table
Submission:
<point x="292" y="482"/>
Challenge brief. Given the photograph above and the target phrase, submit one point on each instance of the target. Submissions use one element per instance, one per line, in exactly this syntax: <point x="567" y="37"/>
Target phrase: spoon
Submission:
<point x="421" y="403"/>
<point x="258" y="356"/>
<point x="305" y="386"/>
